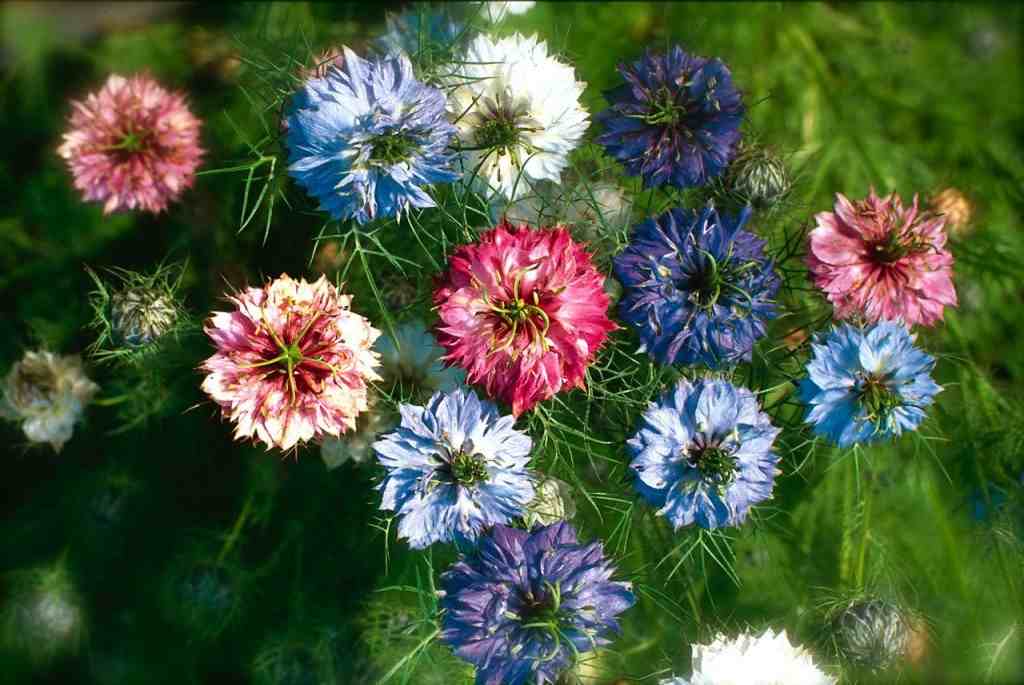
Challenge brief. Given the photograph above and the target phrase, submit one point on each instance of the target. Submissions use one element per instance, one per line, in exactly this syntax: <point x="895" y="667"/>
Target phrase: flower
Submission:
<point x="495" y="12"/>
<point x="357" y="445"/>
<point x="418" y="31"/>
<point x="873" y="634"/>
<point x="527" y="604"/>
<point x="367" y="137"/>
<point x="699" y="288"/>
<point x="675" y="121"/>
<point x="766" y="659"/>
<point x="524" y="312"/>
<point x="703" y="454"/>
<point x="47" y="394"/>
<point x="292" y="362"/>
<point x="517" y="112"/>
<point x="411" y="359"/>
<point x="455" y="467"/>
<point x="552" y="503"/>
<point x="865" y="385"/>
<point x="956" y="207"/>
<point x="875" y="259"/>
<point x="132" y="145"/>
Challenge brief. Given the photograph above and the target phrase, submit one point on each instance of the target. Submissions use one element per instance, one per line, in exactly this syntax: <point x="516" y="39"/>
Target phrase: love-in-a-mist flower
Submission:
<point x="748" y="659"/>
<point x="292" y="362"/>
<point x="421" y="32"/>
<point x="517" y="112"/>
<point x="132" y="145"/>
<point x="455" y="467"/>
<point x="526" y="605"/>
<point x="676" y="120"/>
<point x="867" y="384"/>
<point x="699" y="288"/>
<point x="877" y="259"/>
<point x="366" y="139"/>
<point x="47" y="394"/>
<point x="411" y="360"/>
<point x="524" y="312"/>
<point x="703" y="454"/>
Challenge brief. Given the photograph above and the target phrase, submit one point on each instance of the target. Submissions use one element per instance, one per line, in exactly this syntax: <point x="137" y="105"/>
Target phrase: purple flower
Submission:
<point x="704" y="455"/>
<point x="525" y="605"/>
<point x="699" y="288"/>
<point x="675" y="121"/>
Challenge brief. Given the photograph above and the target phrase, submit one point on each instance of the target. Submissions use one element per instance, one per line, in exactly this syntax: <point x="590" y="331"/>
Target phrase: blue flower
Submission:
<point x="416" y="31"/>
<point x="455" y="467"/>
<point x="698" y="287"/>
<point x="675" y="121"/>
<point x="525" y="605"/>
<point x="368" y="137"/>
<point x="704" y="455"/>
<point x="868" y="384"/>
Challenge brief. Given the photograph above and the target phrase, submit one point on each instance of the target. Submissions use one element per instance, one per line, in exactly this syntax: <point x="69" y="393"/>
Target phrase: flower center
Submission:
<point x="392" y="148"/>
<point x="717" y="465"/>
<point x="891" y="249"/>
<point x="468" y="469"/>
<point x="708" y="284"/>
<point x="876" y="397"/>
<point x="521" y="314"/>
<point x="131" y="143"/>
<point x="543" y="612"/>
<point x="499" y="133"/>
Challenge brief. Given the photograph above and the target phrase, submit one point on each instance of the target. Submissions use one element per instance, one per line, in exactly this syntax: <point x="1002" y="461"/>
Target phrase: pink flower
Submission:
<point x="132" y="145"/>
<point x="876" y="259"/>
<point x="523" y="311"/>
<point x="292" y="362"/>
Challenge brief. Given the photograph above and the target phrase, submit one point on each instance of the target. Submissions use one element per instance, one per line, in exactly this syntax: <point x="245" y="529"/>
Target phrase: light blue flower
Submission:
<point x="865" y="385"/>
<point x="455" y="467"/>
<point x="368" y="138"/>
<point x="411" y="359"/>
<point x="416" y="31"/>
<point x="703" y="454"/>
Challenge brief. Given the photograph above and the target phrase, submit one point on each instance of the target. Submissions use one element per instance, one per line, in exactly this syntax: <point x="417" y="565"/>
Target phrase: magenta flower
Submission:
<point x="524" y="312"/>
<point x="132" y="145"/>
<point x="292" y="362"/>
<point x="879" y="260"/>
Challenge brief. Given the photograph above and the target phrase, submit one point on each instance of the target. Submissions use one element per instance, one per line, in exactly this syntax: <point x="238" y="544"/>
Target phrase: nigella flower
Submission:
<point x="676" y="120"/>
<point x="418" y="31"/>
<point x="703" y="454"/>
<point x="876" y="259"/>
<point x="292" y="362"/>
<point x="47" y="394"/>
<point x="524" y="312"/>
<point x="748" y="659"/>
<point x="132" y="145"/>
<point x="455" y="467"/>
<point x="869" y="384"/>
<point x="699" y="287"/>
<point x="411" y="359"/>
<point x="517" y="112"/>
<point x="367" y="137"/>
<point x="526" y="605"/>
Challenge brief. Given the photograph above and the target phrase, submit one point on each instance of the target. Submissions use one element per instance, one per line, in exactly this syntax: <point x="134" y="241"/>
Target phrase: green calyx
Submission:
<point x="666" y="111"/>
<point x="501" y="134"/>
<point x="876" y="397"/>
<point x="718" y="466"/>
<point x="392" y="148"/>
<point x="469" y="469"/>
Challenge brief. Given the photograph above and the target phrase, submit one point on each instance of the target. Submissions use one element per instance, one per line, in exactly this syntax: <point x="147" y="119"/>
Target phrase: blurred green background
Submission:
<point x="908" y="97"/>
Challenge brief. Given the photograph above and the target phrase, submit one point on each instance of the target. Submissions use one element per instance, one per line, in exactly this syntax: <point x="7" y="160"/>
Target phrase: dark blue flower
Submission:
<point x="698" y="287"/>
<point x="455" y="467"/>
<point x="868" y="384"/>
<point x="417" y="31"/>
<point x="525" y="605"/>
<point x="675" y="121"/>
<point x="368" y="137"/>
<point x="703" y="454"/>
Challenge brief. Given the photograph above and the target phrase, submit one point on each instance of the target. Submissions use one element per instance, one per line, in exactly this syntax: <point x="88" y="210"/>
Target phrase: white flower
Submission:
<point x="497" y="11"/>
<point x="47" y="393"/>
<point x="412" y="360"/>
<point x="748" y="660"/>
<point x="517" y="113"/>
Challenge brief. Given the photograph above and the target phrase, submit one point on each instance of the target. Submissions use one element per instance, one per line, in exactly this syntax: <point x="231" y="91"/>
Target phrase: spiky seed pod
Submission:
<point x="551" y="502"/>
<point x="872" y="634"/>
<point x="138" y="316"/>
<point x="758" y="177"/>
<point x="956" y="207"/>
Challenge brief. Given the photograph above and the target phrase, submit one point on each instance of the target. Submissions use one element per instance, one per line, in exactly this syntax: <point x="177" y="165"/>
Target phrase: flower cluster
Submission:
<point x="132" y="145"/>
<point x="527" y="604"/>
<point x="292" y="362"/>
<point x="524" y="312"/>
<point x="699" y="288"/>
